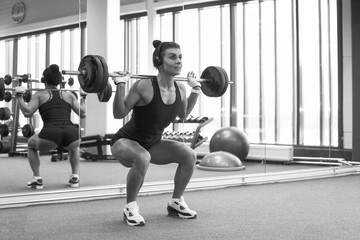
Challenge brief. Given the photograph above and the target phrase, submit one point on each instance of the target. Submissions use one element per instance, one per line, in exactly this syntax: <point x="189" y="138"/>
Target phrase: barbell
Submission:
<point x="93" y="77"/>
<point x="25" y="78"/>
<point x="27" y="95"/>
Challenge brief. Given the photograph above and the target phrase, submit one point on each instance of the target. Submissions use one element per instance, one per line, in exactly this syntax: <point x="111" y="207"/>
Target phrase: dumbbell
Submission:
<point x="26" y="96"/>
<point x="27" y="130"/>
<point x="5" y="113"/>
<point x="21" y="78"/>
<point x="5" y="146"/>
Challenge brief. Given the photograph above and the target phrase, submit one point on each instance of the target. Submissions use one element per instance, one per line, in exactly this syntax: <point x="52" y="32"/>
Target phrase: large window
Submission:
<point x="203" y="35"/>
<point x="286" y="60"/>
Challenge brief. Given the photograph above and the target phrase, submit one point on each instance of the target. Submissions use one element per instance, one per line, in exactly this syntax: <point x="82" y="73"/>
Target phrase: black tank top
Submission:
<point x="148" y="122"/>
<point x="55" y="111"/>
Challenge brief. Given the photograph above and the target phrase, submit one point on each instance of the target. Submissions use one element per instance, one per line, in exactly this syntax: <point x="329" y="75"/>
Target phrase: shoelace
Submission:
<point x="32" y="179"/>
<point x="183" y="204"/>
<point x="135" y="210"/>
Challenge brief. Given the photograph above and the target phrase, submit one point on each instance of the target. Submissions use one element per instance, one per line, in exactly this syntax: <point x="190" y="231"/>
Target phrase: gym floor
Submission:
<point x="106" y="172"/>
<point x="313" y="209"/>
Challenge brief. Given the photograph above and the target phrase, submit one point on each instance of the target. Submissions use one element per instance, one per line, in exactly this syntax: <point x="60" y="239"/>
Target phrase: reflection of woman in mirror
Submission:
<point x="58" y="130"/>
<point x="155" y="103"/>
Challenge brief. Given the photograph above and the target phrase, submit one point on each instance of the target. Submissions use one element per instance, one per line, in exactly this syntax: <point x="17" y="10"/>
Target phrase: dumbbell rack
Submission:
<point x="14" y="130"/>
<point x="5" y="114"/>
<point x="98" y="141"/>
<point x="195" y="141"/>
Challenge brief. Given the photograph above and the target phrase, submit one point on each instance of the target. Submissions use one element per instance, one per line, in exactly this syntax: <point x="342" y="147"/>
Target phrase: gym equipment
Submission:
<point x="92" y="73"/>
<point x="232" y="140"/>
<point x="27" y="95"/>
<point x="97" y="141"/>
<point x="2" y="89"/>
<point x="182" y="136"/>
<point x="21" y="78"/>
<point x="27" y="130"/>
<point x="25" y="78"/>
<point x="59" y="154"/>
<point x="5" y="113"/>
<point x="214" y="80"/>
<point x="70" y="82"/>
<point x="4" y="146"/>
<point x="192" y="119"/>
<point x="93" y="77"/>
<point x="105" y="95"/>
<point x="4" y="130"/>
<point x="220" y="161"/>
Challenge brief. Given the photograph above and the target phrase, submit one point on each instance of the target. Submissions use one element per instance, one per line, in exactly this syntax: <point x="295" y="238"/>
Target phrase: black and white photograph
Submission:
<point x="179" y="119"/>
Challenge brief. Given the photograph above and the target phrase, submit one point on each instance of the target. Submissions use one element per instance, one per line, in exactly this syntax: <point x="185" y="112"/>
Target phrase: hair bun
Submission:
<point x="156" y="43"/>
<point x="54" y="68"/>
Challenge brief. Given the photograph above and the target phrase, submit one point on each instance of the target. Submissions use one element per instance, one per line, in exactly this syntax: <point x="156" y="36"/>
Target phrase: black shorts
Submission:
<point x="63" y="136"/>
<point x="145" y="140"/>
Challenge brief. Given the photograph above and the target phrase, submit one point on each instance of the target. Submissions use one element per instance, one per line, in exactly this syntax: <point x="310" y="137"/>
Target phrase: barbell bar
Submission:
<point x="27" y="94"/>
<point x="124" y="74"/>
<point x="136" y="76"/>
<point x="93" y="77"/>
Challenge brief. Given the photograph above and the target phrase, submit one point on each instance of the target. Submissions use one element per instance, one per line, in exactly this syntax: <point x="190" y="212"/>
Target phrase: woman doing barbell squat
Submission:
<point x="58" y="130"/>
<point x="155" y="104"/>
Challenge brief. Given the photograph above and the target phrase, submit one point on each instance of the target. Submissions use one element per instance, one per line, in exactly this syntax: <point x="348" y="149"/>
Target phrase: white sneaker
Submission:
<point x="35" y="183"/>
<point x="132" y="215"/>
<point x="180" y="209"/>
<point x="74" y="180"/>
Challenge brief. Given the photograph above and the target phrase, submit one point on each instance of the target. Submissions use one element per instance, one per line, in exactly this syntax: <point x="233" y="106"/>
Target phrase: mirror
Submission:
<point x="273" y="100"/>
<point x="27" y="47"/>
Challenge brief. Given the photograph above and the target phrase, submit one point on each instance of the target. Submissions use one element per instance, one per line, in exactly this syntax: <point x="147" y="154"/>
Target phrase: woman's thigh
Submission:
<point x="40" y="144"/>
<point x="127" y="151"/>
<point x="73" y="146"/>
<point x="168" y="151"/>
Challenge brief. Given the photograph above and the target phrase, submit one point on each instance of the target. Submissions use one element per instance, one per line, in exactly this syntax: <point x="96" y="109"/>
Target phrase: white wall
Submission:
<point x="40" y="14"/>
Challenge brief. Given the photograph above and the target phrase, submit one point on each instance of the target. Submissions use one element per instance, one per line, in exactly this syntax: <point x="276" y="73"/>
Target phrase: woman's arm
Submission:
<point x="122" y="104"/>
<point x="189" y="102"/>
<point x="28" y="109"/>
<point x="80" y="110"/>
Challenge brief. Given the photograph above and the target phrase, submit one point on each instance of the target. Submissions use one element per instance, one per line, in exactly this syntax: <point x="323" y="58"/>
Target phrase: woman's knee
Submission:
<point x="188" y="156"/>
<point x="131" y="156"/>
<point x="74" y="146"/>
<point x="32" y="144"/>
<point x="142" y="160"/>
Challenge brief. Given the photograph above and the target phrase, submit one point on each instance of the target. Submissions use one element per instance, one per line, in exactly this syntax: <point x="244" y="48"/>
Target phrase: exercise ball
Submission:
<point x="232" y="140"/>
<point x="221" y="161"/>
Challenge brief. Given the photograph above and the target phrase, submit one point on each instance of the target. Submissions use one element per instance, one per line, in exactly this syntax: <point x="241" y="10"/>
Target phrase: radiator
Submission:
<point x="271" y="153"/>
<point x="259" y="152"/>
